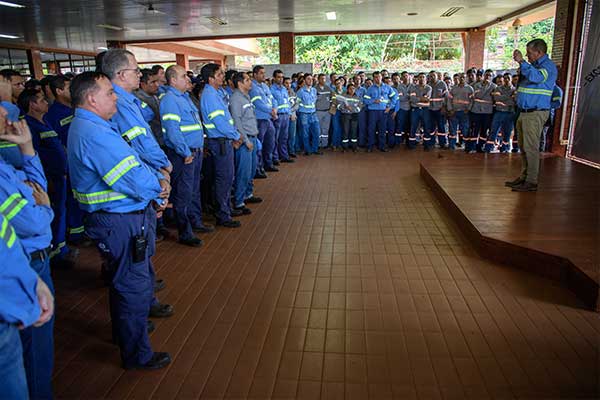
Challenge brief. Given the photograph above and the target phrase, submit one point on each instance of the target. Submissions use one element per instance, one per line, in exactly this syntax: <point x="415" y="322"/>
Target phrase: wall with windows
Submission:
<point x="15" y="59"/>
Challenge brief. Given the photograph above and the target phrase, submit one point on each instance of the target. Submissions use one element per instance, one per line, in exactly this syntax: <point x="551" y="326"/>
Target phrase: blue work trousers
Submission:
<point x="310" y="131"/>
<point x="223" y="159"/>
<point x="245" y="167"/>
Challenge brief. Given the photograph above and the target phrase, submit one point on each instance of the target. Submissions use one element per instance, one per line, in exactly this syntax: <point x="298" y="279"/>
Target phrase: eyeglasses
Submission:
<point x="137" y="70"/>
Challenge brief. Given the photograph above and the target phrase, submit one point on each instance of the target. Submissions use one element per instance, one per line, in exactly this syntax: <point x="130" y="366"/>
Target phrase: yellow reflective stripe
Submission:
<point x="216" y="113"/>
<point x="385" y="101"/>
<point x="255" y="98"/>
<point x="66" y="120"/>
<point x="119" y="170"/>
<point x="283" y="106"/>
<point x="231" y="121"/>
<point x="6" y="145"/>
<point x="48" y="134"/>
<point x="209" y="126"/>
<point x="545" y="74"/>
<point x="7" y="233"/>
<point x="11" y="206"/>
<point x="98" y="197"/>
<point x="79" y="229"/>
<point x="307" y="105"/>
<point x="134" y="132"/>
<point x="171" y="117"/>
<point x="392" y="94"/>
<point x="160" y="96"/>
<point x="367" y="97"/>
<point x="189" y="128"/>
<point x="527" y="90"/>
<point x="57" y="249"/>
<point x="555" y="98"/>
<point x="144" y="104"/>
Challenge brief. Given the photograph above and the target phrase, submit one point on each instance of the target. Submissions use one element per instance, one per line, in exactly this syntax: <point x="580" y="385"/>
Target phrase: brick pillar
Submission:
<point x="183" y="61"/>
<point x="287" y="48"/>
<point x="35" y="63"/>
<point x="474" y="46"/>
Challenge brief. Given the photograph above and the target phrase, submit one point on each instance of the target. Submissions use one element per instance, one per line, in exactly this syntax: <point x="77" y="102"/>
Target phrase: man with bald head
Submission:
<point x="184" y="139"/>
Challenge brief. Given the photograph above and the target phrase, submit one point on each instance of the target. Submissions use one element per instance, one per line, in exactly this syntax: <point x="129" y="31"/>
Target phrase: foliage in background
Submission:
<point x="347" y="53"/>
<point x="501" y="41"/>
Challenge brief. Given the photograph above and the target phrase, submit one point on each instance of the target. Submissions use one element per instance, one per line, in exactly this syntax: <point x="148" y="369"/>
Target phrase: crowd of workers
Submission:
<point x="118" y="154"/>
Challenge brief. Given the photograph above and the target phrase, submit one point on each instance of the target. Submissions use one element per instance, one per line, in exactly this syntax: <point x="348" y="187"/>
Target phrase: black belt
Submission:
<point x="196" y="149"/>
<point x="528" y="110"/>
<point x="40" y="254"/>
<point x="420" y="108"/>
<point x="136" y="212"/>
<point x="220" y="140"/>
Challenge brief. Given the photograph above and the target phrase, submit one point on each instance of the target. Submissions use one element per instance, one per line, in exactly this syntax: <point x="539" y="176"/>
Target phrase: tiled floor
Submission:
<point x="349" y="281"/>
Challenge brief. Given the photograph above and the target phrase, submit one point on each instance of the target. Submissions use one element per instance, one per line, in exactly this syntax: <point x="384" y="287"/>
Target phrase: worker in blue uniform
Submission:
<point x="266" y="112"/>
<point x="534" y="98"/>
<point x="377" y="99"/>
<point x="121" y="67"/>
<point x="54" y="161"/>
<point x="390" y="119"/>
<point x="221" y="138"/>
<point x="309" y="123"/>
<point x="363" y="124"/>
<point x="184" y="139"/>
<point x="23" y="200"/>
<point x="9" y="151"/>
<point x="282" y="123"/>
<point x="25" y="302"/>
<point x="59" y="118"/>
<point x="122" y="196"/>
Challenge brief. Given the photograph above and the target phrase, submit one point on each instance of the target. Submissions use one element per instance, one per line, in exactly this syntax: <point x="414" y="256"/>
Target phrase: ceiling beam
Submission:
<point x="181" y="49"/>
<point x="517" y="13"/>
<point x="25" y="46"/>
<point x="316" y="33"/>
<point x="231" y="50"/>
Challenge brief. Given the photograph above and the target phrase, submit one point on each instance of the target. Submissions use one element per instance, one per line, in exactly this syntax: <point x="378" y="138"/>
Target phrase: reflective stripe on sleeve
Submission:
<point x="189" y="128"/>
<point x="48" y="134"/>
<point x="7" y="233"/>
<point x="216" y="113"/>
<point x="104" y="196"/>
<point x="120" y="169"/>
<point x="134" y="132"/>
<point x="171" y="117"/>
<point x="11" y="206"/>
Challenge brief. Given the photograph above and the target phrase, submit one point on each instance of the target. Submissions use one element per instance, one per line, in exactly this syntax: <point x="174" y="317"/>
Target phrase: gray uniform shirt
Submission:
<point x="460" y="98"/>
<point x="416" y="92"/>
<point x="504" y="98"/>
<point x="403" y="96"/>
<point x="482" y="98"/>
<point x="242" y="112"/>
<point x="154" y="104"/>
<point x="349" y="104"/>
<point x="323" y="98"/>
<point x="294" y="105"/>
<point x="438" y="95"/>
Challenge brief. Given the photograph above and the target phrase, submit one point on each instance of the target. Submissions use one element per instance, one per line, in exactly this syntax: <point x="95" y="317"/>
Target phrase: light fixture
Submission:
<point x="3" y="36"/>
<point x="102" y="48"/>
<point x="451" y="11"/>
<point x="9" y="4"/>
<point x="412" y="14"/>
<point x="217" y="21"/>
<point x="111" y="27"/>
<point x="331" y="15"/>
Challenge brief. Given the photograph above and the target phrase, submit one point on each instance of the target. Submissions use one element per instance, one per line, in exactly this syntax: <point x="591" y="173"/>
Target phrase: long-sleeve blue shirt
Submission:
<point x="106" y="173"/>
<point x="31" y="221"/>
<point x="48" y="145"/>
<point x="59" y="118"/>
<point x="307" y="99"/>
<point x="384" y="93"/>
<point x="132" y="126"/>
<point x="181" y="124"/>
<point x="261" y="97"/>
<point x="216" y="116"/>
<point x="18" y="282"/>
<point x="280" y="94"/>
<point x="535" y="90"/>
<point x="10" y="151"/>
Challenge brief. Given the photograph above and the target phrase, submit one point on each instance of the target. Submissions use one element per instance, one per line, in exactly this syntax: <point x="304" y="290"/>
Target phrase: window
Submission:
<point x="15" y="59"/>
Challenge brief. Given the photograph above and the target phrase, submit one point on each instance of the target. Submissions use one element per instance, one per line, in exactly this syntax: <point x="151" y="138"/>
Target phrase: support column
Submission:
<point x="183" y="61"/>
<point x="35" y="63"/>
<point x="474" y="46"/>
<point x="287" y="48"/>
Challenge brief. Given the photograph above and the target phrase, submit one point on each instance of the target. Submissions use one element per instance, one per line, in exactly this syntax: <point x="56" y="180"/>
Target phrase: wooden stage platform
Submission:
<point x="553" y="232"/>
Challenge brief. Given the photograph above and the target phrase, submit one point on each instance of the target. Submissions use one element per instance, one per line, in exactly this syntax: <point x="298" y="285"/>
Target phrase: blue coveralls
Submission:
<point x="184" y="137"/>
<point x="220" y="133"/>
<point x="309" y="123"/>
<point x="59" y="118"/>
<point x="363" y="118"/>
<point x="113" y="184"/>
<point x="282" y="123"/>
<point x="32" y="225"/>
<point x="18" y="306"/>
<point x="377" y="115"/>
<point x="263" y="101"/>
<point x="336" y="121"/>
<point x="390" y="118"/>
<point x="54" y="160"/>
